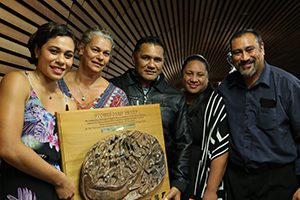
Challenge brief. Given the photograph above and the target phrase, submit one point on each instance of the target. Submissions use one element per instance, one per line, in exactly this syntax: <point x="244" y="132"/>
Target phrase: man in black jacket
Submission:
<point x="146" y="85"/>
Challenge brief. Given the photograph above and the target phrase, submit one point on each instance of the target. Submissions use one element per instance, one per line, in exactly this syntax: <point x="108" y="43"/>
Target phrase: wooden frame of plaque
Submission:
<point x="116" y="149"/>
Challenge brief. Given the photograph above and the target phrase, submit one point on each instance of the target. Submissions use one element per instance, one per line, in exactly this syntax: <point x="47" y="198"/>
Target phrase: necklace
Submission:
<point x="55" y="92"/>
<point x="50" y="94"/>
<point x="83" y="95"/>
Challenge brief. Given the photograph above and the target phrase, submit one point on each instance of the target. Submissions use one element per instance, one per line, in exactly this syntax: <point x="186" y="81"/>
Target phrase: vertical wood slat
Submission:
<point x="22" y="10"/>
<point x="15" y="21"/>
<point x="185" y="26"/>
<point x="13" y="34"/>
<point x="16" y="60"/>
<point x="38" y="6"/>
<point x="15" y="31"/>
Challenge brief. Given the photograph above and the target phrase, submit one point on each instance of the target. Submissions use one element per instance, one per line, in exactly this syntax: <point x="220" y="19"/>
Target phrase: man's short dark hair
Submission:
<point x="147" y="40"/>
<point x="245" y="31"/>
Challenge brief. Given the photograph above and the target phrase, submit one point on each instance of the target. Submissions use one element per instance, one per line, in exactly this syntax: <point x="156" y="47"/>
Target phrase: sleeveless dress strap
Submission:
<point x="28" y="78"/>
<point x="65" y="90"/>
<point x="65" y="96"/>
<point x="106" y="95"/>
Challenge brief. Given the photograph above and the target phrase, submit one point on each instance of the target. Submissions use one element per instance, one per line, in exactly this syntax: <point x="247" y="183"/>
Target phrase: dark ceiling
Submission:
<point x="185" y="27"/>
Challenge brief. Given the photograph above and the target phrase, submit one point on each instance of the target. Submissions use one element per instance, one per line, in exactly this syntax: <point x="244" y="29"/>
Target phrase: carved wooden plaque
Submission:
<point x="115" y="153"/>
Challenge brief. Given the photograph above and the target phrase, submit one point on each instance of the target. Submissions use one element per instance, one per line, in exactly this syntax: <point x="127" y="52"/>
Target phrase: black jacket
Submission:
<point x="174" y="117"/>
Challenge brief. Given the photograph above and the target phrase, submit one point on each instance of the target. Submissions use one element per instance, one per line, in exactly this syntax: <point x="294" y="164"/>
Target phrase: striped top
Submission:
<point x="210" y="139"/>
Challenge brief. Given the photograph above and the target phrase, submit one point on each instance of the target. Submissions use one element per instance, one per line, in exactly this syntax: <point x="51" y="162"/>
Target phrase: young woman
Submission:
<point x="29" y="148"/>
<point x="85" y="86"/>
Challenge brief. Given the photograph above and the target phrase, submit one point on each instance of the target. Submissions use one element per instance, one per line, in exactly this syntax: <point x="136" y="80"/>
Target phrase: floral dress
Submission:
<point x="39" y="133"/>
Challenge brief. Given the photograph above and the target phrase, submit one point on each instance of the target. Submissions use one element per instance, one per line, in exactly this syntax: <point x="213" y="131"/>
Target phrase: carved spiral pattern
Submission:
<point x="124" y="166"/>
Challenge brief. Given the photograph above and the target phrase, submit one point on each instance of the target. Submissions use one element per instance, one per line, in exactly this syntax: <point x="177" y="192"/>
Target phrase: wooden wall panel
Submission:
<point x="13" y="34"/>
<point x="14" y="47"/>
<point x="15" y="21"/>
<point x="6" y="69"/>
<point x="20" y="9"/>
<point x="20" y="62"/>
<point x="185" y="27"/>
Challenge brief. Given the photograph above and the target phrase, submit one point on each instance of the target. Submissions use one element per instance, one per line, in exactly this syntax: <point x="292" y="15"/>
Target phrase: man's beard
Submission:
<point x="249" y="72"/>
